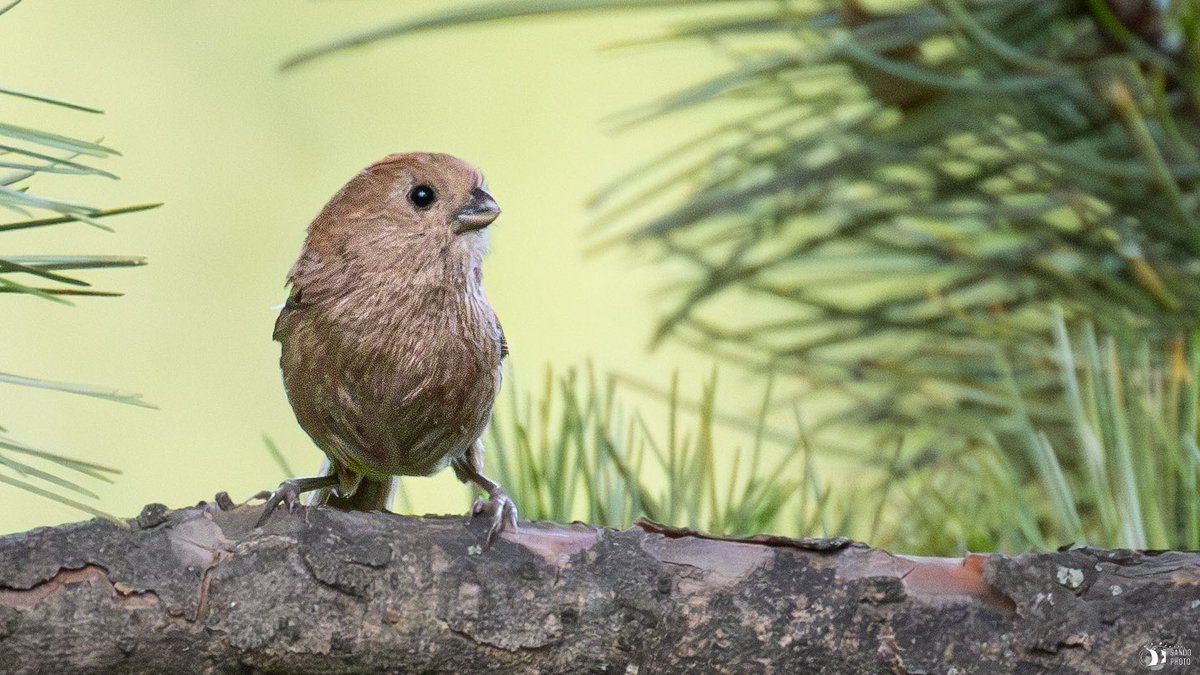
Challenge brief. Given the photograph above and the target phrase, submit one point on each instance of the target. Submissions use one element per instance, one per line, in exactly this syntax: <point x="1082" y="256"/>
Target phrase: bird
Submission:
<point x="390" y="351"/>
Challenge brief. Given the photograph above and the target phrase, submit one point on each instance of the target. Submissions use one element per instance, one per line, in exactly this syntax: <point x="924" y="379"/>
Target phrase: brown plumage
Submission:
<point x="391" y="352"/>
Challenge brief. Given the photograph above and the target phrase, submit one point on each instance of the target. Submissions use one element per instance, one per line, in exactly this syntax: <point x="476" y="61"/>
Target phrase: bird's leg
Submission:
<point x="500" y="506"/>
<point x="289" y="492"/>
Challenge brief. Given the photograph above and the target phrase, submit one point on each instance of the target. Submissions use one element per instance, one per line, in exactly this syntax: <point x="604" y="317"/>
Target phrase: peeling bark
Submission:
<point x="323" y="591"/>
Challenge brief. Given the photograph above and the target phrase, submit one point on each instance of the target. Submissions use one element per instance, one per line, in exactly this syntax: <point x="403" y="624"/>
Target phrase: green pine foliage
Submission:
<point x="972" y="224"/>
<point x="579" y="454"/>
<point x="26" y="153"/>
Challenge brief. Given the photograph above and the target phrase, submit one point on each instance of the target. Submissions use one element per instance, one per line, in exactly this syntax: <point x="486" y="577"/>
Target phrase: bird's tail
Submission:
<point x="373" y="494"/>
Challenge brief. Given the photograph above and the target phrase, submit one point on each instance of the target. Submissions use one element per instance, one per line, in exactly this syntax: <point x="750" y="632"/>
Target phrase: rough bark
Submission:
<point x="324" y="591"/>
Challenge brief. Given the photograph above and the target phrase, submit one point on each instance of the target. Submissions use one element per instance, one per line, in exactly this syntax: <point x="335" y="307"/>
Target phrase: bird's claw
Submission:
<point x="502" y="511"/>
<point x="287" y="493"/>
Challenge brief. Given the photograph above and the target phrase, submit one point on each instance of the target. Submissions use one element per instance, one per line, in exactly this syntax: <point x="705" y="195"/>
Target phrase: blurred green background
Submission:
<point x="244" y="156"/>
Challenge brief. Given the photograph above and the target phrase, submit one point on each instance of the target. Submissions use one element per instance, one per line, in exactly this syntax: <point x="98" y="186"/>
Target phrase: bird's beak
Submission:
<point x="479" y="212"/>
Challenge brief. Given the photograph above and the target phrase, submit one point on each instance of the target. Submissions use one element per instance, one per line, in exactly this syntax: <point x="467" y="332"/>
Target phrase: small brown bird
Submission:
<point x="391" y="352"/>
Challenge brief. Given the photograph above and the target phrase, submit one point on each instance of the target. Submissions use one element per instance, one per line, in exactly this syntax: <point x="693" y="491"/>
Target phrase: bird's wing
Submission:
<point x="503" y="340"/>
<point x="295" y="303"/>
<point x="301" y="295"/>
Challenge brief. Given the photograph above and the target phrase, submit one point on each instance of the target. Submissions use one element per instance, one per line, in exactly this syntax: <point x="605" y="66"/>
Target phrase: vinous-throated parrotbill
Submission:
<point x="391" y="353"/>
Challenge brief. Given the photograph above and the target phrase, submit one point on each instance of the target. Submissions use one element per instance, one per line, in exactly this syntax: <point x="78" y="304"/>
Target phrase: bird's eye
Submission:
<point x="422" y="196"/>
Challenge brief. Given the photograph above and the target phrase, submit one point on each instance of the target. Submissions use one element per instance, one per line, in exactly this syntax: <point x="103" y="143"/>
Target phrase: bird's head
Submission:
<point x="408" y="209"/>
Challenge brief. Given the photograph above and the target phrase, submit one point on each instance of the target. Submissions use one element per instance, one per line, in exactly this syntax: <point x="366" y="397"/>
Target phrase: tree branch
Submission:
<point x="200" y="590"/>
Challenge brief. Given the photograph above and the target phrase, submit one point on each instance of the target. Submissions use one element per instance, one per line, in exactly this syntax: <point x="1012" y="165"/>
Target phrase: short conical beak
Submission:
<point x="479" y="212"/>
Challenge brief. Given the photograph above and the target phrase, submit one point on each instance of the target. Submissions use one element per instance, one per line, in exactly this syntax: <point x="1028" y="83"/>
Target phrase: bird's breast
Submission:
<point x="396" y="385"/>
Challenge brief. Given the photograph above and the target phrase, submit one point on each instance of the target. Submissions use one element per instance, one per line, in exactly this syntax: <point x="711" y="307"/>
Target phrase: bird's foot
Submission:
<point x="288" y="493"/>
<point x="502" y="511"/>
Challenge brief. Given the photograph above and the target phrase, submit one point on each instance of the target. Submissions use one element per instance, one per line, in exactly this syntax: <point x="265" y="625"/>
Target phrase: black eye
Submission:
<point x="422" y="196"/>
